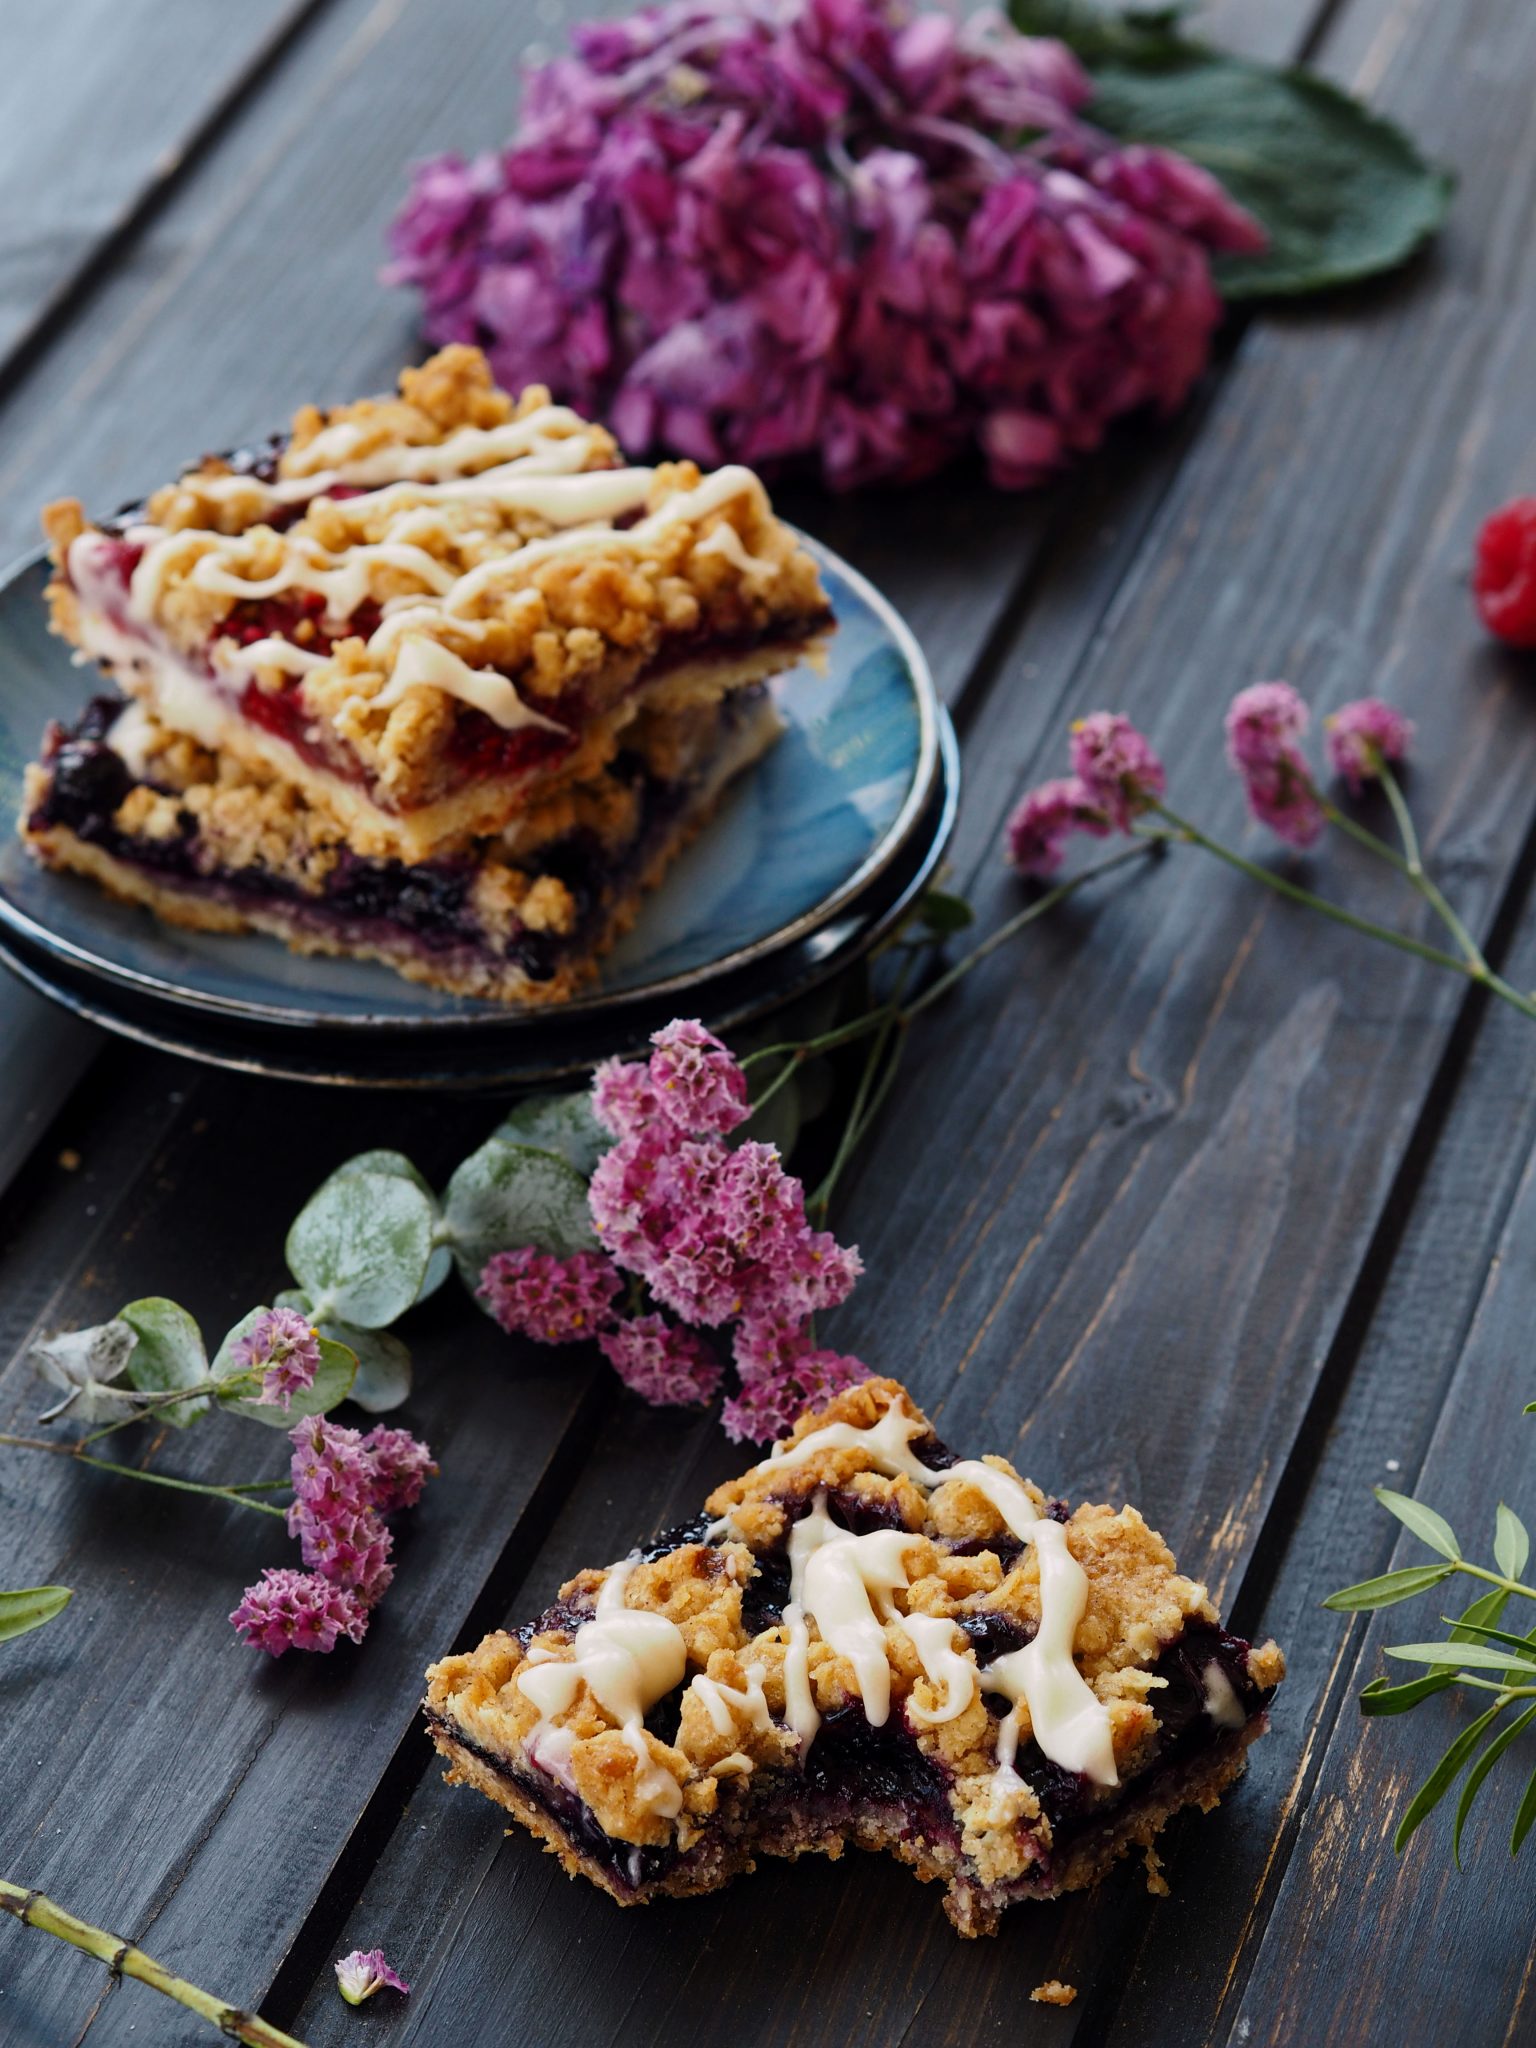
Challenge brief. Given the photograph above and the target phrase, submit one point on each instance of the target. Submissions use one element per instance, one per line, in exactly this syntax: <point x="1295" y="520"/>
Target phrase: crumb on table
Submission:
<point x="1053" y="1992"/>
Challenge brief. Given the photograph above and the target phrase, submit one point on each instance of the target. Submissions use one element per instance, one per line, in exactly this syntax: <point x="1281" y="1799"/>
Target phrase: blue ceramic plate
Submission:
<point x="797" y="840"/>
<point x="552" y="1046"/>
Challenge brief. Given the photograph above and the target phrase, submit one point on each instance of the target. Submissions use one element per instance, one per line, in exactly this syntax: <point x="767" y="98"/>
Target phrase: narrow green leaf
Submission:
<point x="1390" y="1587"/>
<point x="505" y="1196"/>
<point x="1443" y="1776"/>
<point x="1380" y="1697"/>
<point x="563" y="1124"/>
<point x="1525" y="1816"/>
<point x="361" y="1246"/>
<point x="1511" y="1542"/>
<point x="332" y="1384"/>
<point x="1429" y="1527"/>
<point x="169" y="1354"/>
<point x="1474" y="1631"/>
<point x="1480" y="1770"/>
<point x="1459" y="1656"/>
<point x="1483" y="1613"/>
<point x="30" y="1608"/>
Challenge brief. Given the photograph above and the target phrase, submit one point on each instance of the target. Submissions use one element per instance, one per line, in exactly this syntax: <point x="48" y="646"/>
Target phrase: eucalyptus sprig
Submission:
<point x="1477" y="1653"/>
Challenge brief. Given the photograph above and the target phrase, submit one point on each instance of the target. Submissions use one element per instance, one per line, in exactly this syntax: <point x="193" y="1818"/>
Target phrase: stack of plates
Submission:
<point x="816" y="853"/>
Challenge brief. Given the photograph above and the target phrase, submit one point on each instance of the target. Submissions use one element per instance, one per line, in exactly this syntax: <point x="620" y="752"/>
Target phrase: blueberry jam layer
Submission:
<point x="430" y="902"/>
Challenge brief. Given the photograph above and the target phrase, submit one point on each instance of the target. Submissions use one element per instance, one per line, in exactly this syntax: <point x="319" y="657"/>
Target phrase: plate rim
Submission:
<point x="880" y="856"/>
<point x="745" y="1010"/>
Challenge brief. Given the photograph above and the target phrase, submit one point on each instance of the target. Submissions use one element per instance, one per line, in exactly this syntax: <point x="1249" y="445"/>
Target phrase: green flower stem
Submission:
<point x="236" y="1385"/>
<point x="1295" y="893"/>
<point x="33" y="1909"/>
<point x="235" y="1493"/>
<point x="1409" y="863"/>
<point x="867" y="1096"/>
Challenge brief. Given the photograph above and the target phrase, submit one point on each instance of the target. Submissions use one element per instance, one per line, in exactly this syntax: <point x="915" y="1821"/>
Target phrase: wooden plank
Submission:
<point x="1090" y="1195"/>
<point x="101" y="104"/>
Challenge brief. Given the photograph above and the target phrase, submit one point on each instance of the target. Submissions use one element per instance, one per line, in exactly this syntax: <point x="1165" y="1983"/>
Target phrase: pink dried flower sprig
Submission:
<point x="284" y="1348"/>
<point x="714" y="1234"/>
<point x="1119" y="784"/>
<point x="344" y="1484"/>
<point x="836" y="229"/>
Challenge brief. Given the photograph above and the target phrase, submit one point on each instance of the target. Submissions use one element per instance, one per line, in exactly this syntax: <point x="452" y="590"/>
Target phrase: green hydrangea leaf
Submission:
<point x="1342" y="193"/>
<point x="382" y="1160"/>
<point x="558" y="1123"/>
<point x="332" y="1384"/>
<point x="30" y="1608"/>
<point x="361" y="1245"/>
<point x="170" y="1353"/>
<point x="505" y="1196"/>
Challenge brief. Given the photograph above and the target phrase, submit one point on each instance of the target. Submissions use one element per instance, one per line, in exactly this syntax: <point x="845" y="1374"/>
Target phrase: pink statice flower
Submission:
<point x="1117" y="766"/>
<point x="782" y="1374"/>
<point x="402" y="1465"/>
<point x="294" y="1610"/>
<point x="623" y="1099"/>
<point x="1362" y="735"/>
<point x="1264" y="726"/>
<point x="1263" y="722"/>
<point x="667" y="1366"/>
<point x="840" y="230"/>
<point x="363" y="1972"/>
<point x="1043" y="821"/>
<point x="344" y="1483"/>
<point x="697" y="1084"/>
<point x="553" y="1301"/>
<point x="284" y="1349"/>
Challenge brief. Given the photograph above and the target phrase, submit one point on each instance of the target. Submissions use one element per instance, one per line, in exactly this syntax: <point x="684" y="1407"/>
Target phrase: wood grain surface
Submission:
<point x="1186" y="1200"/>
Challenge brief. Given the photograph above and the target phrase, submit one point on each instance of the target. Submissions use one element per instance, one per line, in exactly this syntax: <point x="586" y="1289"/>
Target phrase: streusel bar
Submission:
<point x="863" y="1640"/>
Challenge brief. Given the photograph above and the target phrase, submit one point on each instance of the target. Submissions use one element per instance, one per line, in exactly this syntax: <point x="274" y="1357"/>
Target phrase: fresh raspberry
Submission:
<point x="1504" y="575"/>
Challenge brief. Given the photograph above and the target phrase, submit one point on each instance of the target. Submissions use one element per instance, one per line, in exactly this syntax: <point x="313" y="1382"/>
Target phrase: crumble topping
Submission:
<point x="410" y="556"/>
<point x="736" y="1712"/>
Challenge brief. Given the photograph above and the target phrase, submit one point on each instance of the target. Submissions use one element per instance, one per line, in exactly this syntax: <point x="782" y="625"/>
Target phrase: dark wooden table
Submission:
<point x="1187" y="1199"/>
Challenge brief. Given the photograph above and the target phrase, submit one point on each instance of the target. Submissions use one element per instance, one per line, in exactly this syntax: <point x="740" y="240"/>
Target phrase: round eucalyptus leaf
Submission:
<point x="505" y="1196"/>
<point x="361" y="1245"/>
<point x="558" y="1123"/>
<point x="383" y="1366"/>
<point x="332" y="1383"/>
<point x="169" y="1354"/>
<point x="440" y="1264"/>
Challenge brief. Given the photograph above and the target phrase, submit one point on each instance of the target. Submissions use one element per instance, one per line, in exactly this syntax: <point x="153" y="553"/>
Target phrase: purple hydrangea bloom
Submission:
<point x="762" y="229"/>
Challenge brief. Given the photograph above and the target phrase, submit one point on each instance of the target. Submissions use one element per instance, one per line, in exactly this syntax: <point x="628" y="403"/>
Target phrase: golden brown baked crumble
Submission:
<point x="572" y="632"/>
<point x="1138" y="1604"/>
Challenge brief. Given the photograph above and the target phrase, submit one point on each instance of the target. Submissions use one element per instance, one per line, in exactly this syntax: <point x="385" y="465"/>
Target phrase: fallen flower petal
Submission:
<point x="363" y="1972"/>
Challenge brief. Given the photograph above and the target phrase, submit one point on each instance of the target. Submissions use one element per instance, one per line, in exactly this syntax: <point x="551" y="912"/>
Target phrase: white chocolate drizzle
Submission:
<point x="628" y="1658"/>
<point x="1069" y="1723"/>
<point x="718" y="1700"/>
<point x="538" y="465"/>
<point x="1221" y="1700"/>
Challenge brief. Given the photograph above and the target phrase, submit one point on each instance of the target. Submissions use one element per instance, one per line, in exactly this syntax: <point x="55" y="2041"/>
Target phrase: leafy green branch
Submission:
<point x="1477" y="1654"/>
